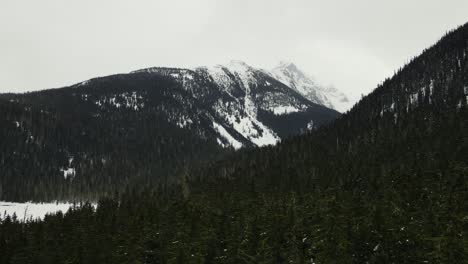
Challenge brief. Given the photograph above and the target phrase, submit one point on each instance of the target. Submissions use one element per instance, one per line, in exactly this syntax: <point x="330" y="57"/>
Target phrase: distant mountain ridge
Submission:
<point x="414" y="123"/>
<point x="252" y="103"/>
<point x="291" y="75"/>
<point x="143" y="126"/>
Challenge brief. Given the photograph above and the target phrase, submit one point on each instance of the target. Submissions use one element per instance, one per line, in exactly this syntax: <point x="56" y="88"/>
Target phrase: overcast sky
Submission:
<point x="352" y="44"/>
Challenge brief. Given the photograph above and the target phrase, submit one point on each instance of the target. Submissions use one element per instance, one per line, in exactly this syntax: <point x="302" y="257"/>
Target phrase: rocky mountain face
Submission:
<point x="246" y="106"/>
<point x="145" y="125"/>
<point x="289" y="74"/>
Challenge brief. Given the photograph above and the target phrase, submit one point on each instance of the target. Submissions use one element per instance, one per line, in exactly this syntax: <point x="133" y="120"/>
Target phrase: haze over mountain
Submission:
<point x="291" y="75"/>
<point x="353" y="45"/>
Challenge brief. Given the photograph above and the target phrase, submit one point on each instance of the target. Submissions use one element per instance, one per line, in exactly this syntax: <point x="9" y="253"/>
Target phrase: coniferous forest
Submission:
<point x="386" y="182"/>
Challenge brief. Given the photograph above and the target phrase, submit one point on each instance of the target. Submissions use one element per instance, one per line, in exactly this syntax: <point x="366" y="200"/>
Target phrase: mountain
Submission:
<point x="384" y="183"/>
<point x="248" y="106"/>
<point x="114" y="131"/>
<point x="289" y="74"/>
<point x="414" y="122"/>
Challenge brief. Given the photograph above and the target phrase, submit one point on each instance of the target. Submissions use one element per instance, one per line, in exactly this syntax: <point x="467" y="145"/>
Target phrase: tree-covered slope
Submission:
<point x="415" y="121"/>
<point x="105" y="134"/>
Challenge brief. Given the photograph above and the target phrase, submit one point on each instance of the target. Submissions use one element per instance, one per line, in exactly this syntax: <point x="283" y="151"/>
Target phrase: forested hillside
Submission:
<point x="384" y="183"/>
<point x="54" y="146"/>
<point x="107" y="134"/>
<point x="416" y="122"/>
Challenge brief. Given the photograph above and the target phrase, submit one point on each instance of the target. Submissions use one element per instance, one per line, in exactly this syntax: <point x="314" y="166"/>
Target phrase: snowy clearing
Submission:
<point x="284" y="109"/>
<point x="27" y="211"/>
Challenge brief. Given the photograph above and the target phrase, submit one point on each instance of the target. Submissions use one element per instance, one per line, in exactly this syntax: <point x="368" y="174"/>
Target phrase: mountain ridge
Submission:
<point x="288" y="73"/>
<point x="100" y="124"/>
<point x="421" y="109"/>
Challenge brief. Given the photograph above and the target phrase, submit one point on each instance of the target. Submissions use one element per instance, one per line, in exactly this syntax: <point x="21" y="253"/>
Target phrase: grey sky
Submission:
<point x="353" y="44"/>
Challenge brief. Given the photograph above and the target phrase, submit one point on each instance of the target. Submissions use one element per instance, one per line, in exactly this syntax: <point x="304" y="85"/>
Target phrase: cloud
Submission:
<point x="351" y="67"/>
<point x="352" y="44"/>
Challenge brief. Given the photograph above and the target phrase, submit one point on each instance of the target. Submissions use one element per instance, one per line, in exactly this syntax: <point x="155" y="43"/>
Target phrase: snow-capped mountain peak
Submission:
<point x="238" y="63"/>
<point x="289" y="66"/>
<point x="240" y="112"/>
<point x="234" y="104"/>
<point x="289" y="74"/>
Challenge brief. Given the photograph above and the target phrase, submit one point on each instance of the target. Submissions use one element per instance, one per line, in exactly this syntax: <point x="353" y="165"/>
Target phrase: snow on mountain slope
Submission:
<point x="238" y="104"/>
<point x="289" y="74"/>
<point x="243" y="117"/>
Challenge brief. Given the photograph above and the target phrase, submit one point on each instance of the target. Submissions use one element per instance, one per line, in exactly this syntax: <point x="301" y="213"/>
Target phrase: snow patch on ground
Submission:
<point x="466" y="92"/>
<point x="83" y="83"/>
<point x="28" y="211"/>
<point x="310" y="125"/>
<point x="184" y="122"/>
<point x="387" y="108"/>
<point x="128" y="100"/>
<point x="223" y="133"/>
<point x="68" y="173"/>
<point x="253" y="130"/>
<point x="282" y="110"/>
<point x="414" y="99"/>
